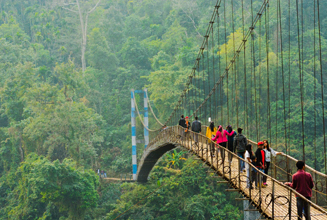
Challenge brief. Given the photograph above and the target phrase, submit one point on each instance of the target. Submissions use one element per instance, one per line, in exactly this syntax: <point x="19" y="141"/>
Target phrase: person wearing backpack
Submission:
<point x="182" y="123"/>
<point x="240" y="143"/>
<point x="196" y="128"/>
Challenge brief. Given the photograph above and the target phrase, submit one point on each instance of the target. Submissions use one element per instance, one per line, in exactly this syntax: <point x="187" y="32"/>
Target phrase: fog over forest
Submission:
<point x="67" y="68"/>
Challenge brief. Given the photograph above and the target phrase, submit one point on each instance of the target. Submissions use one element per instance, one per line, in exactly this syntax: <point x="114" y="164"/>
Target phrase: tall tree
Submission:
<point x="83" y="12"/>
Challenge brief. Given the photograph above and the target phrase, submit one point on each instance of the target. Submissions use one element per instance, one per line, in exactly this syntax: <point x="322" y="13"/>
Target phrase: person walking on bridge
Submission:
<point x="211" y="133"/>
<point x="221" y="140"/>
<point x="196" y="128"/>
<point x="187" y="126"/>
<point x="239" y="144"/>
<point x="248" y="158"/>
<point x="230" y="139"/>
<point x="260" y="154"/>
<point x="302" y="182"/>
<point x="182" y="123"/>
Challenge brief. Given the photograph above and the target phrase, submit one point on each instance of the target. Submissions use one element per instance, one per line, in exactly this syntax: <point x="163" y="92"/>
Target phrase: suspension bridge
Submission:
<point x="268" y="76"/>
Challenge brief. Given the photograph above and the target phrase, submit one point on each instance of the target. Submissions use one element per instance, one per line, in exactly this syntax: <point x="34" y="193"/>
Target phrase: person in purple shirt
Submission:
<point x="302" y="182"/>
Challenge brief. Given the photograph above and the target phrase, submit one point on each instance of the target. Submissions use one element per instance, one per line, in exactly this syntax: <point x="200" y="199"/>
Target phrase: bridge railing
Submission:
<point x="283" y="167"/>
<point x="279" y="199"/>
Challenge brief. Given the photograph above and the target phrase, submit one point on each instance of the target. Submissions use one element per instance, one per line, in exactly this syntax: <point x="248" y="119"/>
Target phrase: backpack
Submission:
<point x="240" y="143"/>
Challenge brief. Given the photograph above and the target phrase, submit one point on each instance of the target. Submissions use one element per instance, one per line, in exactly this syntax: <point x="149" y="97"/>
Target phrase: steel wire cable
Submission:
<point x="233" y="65"/>
<point x="213" y="64"/>
<point x="283" y="76"/>
<point x="152" y="110"/>
<point x="301" y="76"/>
<point x="251" y="60"/>
<point x="259" y="76"/>
<point x="255" y="88"/>
<point x="140" y="118"/>
<point x="268" y="77"/>
<point x="322" y="85"/>
<point x="240" y="47"/>
<point x="315" y="86"/>
<point x="276" y="76"/>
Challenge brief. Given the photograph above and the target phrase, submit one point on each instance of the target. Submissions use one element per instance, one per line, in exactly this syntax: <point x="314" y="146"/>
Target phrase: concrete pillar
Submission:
<point x="134" y="160"/>
<point x="250" y="215"/>
<point x="146" y="119"/>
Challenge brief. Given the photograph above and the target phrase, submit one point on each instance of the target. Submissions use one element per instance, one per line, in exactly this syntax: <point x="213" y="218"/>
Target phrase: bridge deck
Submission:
<point x="282" y="194"/>
<point x="275" y="201"/>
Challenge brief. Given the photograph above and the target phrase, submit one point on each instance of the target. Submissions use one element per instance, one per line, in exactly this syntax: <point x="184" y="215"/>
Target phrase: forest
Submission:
<point x="67" y="68"/>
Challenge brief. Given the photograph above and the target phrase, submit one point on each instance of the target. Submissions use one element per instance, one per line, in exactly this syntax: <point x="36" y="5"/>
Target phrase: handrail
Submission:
<point x="177" y="130"/>
<point x="291" y="158"/>
<point x="262" y="173"/>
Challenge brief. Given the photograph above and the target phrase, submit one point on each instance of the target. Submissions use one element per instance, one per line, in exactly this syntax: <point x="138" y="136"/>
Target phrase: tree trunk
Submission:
<point x="83" y="46"/>
<point x="21" y="150"/>
<point x="83" y="28"/>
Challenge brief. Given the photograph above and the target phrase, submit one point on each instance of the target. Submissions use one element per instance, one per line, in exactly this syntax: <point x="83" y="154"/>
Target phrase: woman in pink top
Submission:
<point x="221" y="138"/>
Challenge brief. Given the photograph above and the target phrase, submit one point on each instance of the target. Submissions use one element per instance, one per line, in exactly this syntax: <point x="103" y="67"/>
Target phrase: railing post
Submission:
<point x="239" y="172"/>
<point x="250" y="181"/>
<point x="211" y="154"/>
<point x="288" y="168"/>
<point x="275" y="169"/>
<point x="315" y="180"/>
<point x="290" y="206"/>
<point x="202" y="149"/>
<point x="216" y="153"/>
<point x="222" y="159"/>
<point x="273" y="200"/>
<point x="259" y="182"/>
<point x="207" y="151"/>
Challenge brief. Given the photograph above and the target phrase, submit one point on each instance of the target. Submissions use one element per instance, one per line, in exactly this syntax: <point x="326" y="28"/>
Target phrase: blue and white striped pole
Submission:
<point x="134" y="160"/>
<point x="146" y="119"/>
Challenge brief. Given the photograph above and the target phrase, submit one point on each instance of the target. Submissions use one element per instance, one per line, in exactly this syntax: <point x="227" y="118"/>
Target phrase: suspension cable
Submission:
<point x="283" y="81"/>
<point x="301" y="76"/>
<point x="138" y="113"/>
<point x="322" y="85"/>
<point x="152" y="110"/>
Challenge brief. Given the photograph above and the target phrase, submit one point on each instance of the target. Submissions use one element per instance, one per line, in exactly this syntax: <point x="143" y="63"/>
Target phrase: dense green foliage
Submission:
<point x="58" y="123"/>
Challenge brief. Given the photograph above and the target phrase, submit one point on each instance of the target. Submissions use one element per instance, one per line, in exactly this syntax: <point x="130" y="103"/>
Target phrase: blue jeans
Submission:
<point x="241" y="155"/>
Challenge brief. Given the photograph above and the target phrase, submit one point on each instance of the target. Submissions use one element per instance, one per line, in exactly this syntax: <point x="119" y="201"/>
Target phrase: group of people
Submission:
<point x="236" y="142"/>
<point x="102" y="173"/>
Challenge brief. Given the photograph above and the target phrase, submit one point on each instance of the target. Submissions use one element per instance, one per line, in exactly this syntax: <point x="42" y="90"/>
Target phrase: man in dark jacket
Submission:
<point x="260" y="154"/>
<point x="240" y="143"/>
<point x="196" y="128"/>
<point x="182" y="123"/>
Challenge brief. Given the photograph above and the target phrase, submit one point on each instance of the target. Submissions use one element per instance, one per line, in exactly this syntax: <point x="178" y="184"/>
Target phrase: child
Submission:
<point x="254" y="173"/>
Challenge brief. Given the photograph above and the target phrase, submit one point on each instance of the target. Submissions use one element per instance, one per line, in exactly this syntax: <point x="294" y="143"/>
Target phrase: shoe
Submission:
<point x="263" y="186"/>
